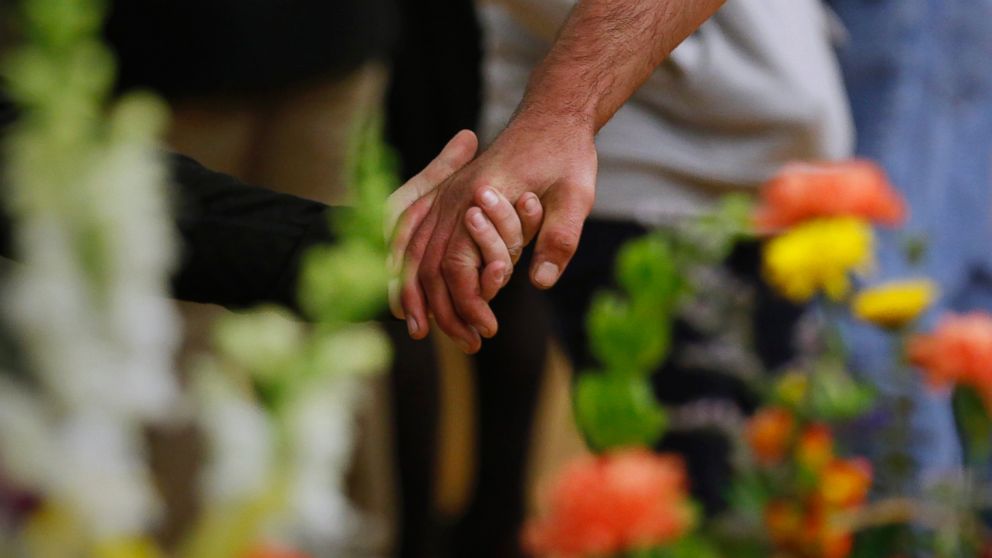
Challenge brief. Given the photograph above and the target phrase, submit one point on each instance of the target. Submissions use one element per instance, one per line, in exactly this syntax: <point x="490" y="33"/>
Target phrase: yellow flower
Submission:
<point x="138" y="547"/>
<point x="818" y="256"/>
<point x="894" y="304"/>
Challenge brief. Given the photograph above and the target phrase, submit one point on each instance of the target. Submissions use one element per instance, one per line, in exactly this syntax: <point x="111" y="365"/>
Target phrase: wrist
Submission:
<point x="534" y="121"/>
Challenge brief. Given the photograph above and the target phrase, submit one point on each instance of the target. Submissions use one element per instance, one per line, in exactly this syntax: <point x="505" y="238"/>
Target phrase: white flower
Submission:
<point x="27" y="448"/>
<point x="240" y="440"/>
<point x="103" y="477"/>
<point x="321" y="431"/>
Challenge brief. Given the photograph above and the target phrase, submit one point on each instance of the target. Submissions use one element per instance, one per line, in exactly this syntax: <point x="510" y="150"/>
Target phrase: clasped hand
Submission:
<point x="458" y="228"/>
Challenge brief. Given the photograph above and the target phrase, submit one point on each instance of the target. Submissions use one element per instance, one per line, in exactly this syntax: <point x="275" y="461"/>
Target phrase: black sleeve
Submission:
<point x="240" y="245"/>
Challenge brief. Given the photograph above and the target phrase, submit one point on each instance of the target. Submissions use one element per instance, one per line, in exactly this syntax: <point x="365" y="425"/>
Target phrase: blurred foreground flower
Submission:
<point x="809" y="491"/>
<point x="957" y="352"/>
<point x="844" y="483"/>
<point x="805" y="191"/>
<point x="769" y="433"/>
<point x="271" y="551"/>
<point x="894" y="304"/>
<point x="819" y="255"/>
<point x="631" y="499"/>
<point x="815" y="448"/>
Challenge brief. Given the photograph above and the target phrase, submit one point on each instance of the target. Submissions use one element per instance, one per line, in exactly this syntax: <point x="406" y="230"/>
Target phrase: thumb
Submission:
<point x="565" y="210"/>
<point x="456" y="154"/>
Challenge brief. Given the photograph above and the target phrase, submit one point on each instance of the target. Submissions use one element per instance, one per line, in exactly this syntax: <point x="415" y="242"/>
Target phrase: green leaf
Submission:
<point x="374" y="176"/>
<point x="356" y="350"/>
<point x="887" y="540"/>
<point x="711" y="238"/>
<point x="262" y="341"/>
<point x="647" y="270"/>
<point x="835" y="396"/>
<point x="618" y="411"/>
<point x="973" y="419"/>
<point x="627" y="339"/>
<point x="748" y="494"/>
<point x="915" y="248"/>
<point x="691" y="546"/>
<point x="343" y="283"/>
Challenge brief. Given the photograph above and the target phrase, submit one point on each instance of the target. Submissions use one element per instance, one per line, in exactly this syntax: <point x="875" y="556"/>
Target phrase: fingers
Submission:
<point x="455" y="155"/>
<point x="406" y="210"/>
<point x="412" y="296"/>
<point x="494" y="277"/>
<point x="447" y="278"/>
<point x="495" y="256"/>
<point x="531" y="212"/>
<point x="460" y="270"/>
<point x="409" y="224"/>
<point x="502" y="214"/>
<point x="566" y="208"/>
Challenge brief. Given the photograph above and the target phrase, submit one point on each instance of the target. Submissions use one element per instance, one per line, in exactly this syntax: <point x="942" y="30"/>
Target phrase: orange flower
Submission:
<point x="271" y="551"/>
<point x="769" y="432"/>
<point x="815" y="448"/>
<point x="804" y="191"/>
<point x="784" y="521"/>
<point x="845" y="483"/>
<point x="823" y="537"/>
<point x="958" y="351"/>
<point x="806" y="531"/>
<point x="605" y="505"/>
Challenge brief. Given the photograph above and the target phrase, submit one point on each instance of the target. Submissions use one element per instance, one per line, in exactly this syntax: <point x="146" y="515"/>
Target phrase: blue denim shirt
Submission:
<point x="919" y="76"/>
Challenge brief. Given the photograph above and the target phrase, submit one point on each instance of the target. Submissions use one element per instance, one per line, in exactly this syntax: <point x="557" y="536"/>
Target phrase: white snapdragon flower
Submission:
<point x="103" y="477"/>
<point x="241" y="441"/>
<point x="320" y="425"/>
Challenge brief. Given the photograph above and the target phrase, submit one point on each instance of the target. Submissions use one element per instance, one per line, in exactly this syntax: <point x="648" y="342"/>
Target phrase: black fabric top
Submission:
<point x="435" y="88"/>
<point x="241" y="245"/>
<point x="203" y="47"/>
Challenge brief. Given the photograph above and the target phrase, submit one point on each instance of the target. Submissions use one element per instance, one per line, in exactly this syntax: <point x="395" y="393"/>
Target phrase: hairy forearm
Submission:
<point x="604" y="52"/>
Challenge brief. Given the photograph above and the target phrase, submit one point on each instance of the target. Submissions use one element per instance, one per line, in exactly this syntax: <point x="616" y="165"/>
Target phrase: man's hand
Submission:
<point x="497" y="229"/>
<point x="556" y="163"/>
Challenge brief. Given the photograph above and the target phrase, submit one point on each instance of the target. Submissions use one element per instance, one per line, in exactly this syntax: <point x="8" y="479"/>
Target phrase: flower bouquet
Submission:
<point x="798" y="488"/>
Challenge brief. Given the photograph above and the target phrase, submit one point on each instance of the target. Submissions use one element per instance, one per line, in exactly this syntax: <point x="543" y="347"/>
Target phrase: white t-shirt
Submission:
<point x="755" y="87"/>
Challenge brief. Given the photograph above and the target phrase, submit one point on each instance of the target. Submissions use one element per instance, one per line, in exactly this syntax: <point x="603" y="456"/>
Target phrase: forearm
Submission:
<point x="241" y="245"/>
<point x="604" y="52"/>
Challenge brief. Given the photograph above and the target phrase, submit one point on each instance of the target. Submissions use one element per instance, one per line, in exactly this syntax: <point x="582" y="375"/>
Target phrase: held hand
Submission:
<point x="555" y="162"/>
<point x="498" y="244"/>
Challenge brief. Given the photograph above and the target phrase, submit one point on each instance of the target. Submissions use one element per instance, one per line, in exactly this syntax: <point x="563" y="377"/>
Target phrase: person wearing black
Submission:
<point x="241" y="244"/>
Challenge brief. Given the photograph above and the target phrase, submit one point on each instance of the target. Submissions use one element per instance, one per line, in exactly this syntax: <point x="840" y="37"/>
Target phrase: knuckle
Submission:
<point x="450" y="267"/>
<point x="562" y="240"/>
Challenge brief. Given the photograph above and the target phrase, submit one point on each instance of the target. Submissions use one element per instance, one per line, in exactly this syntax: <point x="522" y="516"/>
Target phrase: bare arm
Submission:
<point x="604" y="52"/>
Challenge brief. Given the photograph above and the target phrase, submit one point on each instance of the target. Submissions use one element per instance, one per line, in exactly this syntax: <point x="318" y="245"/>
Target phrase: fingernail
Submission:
<point x="489" y="198"/>
<point x="391" y="264"/>
<point x="547" y="274"/>
<point x="532" y="206"/>
<point x="464" y="346"/>
<point x="484" y="331"/>
<point x="478" y="221"/>
<point x="411" y="325"/>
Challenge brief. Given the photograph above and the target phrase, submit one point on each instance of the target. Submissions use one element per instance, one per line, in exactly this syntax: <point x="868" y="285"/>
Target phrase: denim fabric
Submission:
<point x="919" y="76"/>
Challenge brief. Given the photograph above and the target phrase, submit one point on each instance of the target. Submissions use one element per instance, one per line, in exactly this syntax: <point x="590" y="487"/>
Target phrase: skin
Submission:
<point x="604" y="52"/>
<point x="497" y="228"/>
